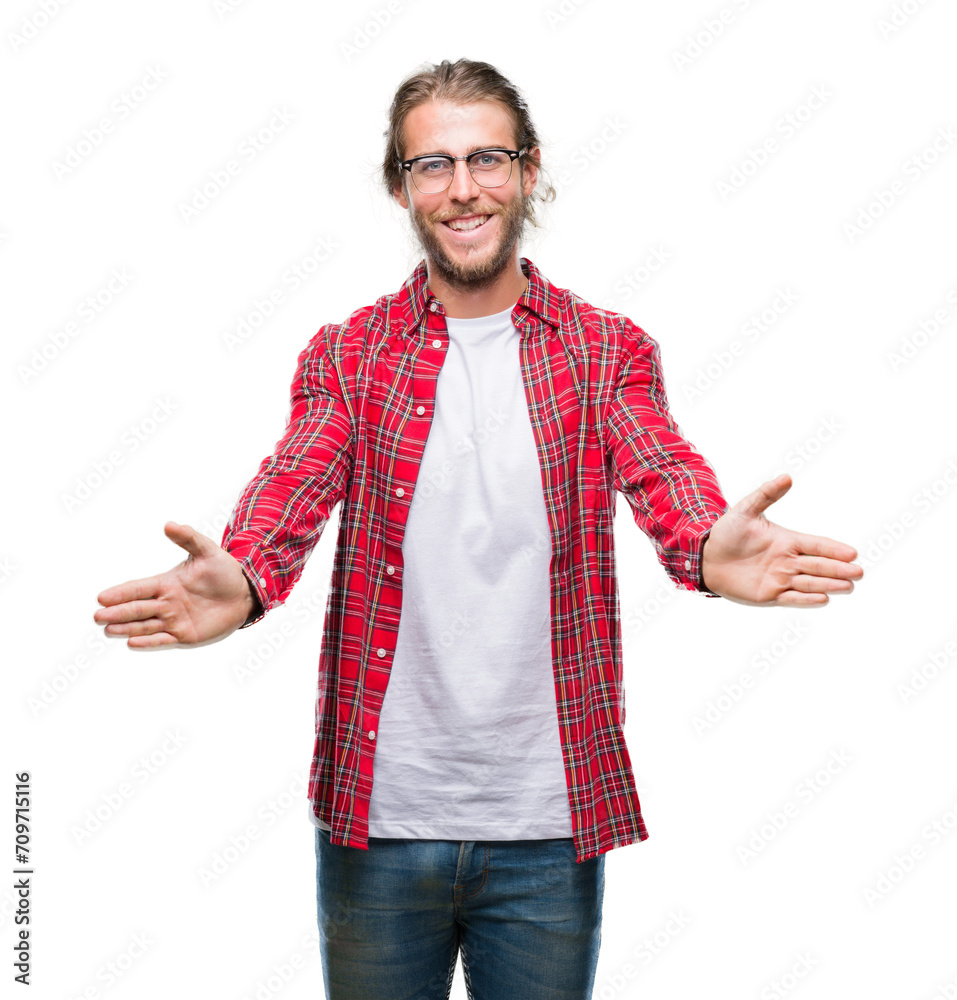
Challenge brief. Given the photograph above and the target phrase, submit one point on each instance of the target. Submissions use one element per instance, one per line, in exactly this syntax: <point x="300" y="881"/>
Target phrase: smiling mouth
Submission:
<point x="466" y="225"/>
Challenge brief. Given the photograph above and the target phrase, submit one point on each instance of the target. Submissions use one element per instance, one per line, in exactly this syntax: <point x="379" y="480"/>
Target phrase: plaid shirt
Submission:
<point x="361" y="405"/>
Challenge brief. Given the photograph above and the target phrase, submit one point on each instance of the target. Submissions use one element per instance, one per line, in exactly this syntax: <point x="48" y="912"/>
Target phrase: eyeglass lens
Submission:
<point x="434" y="173"/>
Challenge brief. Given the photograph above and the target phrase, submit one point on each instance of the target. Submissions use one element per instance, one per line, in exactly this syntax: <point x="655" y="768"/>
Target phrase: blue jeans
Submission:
<point x="525" y="914"/>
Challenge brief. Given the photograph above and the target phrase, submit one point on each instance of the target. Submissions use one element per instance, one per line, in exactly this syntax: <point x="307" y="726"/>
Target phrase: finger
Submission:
<point x="766" y="494"/>
<point x="823" y="566"/>
<point x="195" y="543"/>
<point x="160" y="640"/>
<point x="797" y="599"/>
<point x="131" y="611"/>
<point x="149" y="627"/>
<point x="820" y="545"/>
<point x="821" y="585"/>
<point x="132" y="590"/>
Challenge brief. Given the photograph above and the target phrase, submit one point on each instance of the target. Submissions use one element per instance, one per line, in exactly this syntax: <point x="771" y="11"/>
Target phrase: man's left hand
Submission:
<point x="751" y="560"/>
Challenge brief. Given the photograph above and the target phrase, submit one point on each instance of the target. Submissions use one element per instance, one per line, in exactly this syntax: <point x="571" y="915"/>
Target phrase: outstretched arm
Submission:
<point x="284" y="508"/>
<point x="671" y="488"/>
<point x="751" y="560"/>
<point x="273" y="528"/>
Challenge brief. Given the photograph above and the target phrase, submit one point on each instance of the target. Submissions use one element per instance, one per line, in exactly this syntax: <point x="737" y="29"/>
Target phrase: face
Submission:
<point x="470" y="259"/>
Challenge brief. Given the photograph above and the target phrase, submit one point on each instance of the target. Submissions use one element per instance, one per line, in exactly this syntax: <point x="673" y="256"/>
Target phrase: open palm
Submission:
<point x="751" y="560"/>
<point x="200" y="601"/>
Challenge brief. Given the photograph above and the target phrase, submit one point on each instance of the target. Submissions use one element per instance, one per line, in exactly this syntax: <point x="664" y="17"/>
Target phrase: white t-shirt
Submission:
<point x="467" y="744"/>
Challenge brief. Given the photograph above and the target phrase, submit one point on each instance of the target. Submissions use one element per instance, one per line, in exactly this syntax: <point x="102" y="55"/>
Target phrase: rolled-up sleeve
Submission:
<point x="671" y="488"/>
<point x="281" y="512"/>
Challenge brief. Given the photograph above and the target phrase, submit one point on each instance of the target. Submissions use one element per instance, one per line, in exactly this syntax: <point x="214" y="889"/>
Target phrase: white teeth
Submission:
<point x="466" y="226"/>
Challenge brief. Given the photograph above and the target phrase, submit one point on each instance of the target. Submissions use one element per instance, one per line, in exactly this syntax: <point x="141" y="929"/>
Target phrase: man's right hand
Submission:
<point x="202" y="600"/>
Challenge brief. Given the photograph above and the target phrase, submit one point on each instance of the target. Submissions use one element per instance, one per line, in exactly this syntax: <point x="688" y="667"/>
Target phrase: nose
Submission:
<point x="463" y="187"/>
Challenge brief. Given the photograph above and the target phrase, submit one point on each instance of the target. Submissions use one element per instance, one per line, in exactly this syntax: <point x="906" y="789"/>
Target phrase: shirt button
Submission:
<point x="436" y="343"/>
<point x="371" y="734"/>
<point x="433" y="306"/>
<point x="390" y="570"/>
<point x="420" y="410"/>
<point x="400" y="492"/>
<point x="687" y="564"/>
<point x="380" y="652"/>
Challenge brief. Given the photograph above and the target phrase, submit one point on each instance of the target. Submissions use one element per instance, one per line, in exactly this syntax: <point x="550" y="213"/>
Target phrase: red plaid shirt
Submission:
<point x="361" y="405"/>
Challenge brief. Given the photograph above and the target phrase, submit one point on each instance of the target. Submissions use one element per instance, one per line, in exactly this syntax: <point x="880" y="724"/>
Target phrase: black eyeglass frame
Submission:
<point x="512" y="155"/>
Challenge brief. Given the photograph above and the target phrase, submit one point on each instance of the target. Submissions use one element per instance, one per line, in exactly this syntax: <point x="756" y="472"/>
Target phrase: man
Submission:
<point x="475" y="426"/>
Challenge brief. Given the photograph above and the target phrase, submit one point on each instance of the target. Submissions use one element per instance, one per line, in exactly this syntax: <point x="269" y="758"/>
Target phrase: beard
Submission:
<point x="476" y="268"/>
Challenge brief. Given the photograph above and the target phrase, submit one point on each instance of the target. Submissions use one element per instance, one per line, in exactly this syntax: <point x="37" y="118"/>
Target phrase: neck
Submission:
<point x="466" y="303"/>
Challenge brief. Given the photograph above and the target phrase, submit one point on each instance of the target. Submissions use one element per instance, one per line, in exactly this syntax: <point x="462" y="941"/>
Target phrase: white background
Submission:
<point x="645" y="146"/>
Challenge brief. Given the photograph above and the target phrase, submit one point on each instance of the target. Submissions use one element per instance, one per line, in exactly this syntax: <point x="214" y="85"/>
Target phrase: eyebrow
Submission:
<point x="469" y="151"/>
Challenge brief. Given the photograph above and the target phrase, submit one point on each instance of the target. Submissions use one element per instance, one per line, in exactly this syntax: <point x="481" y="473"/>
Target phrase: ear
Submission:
<point x="398" y="192"/>
<point x="529" y="172"/>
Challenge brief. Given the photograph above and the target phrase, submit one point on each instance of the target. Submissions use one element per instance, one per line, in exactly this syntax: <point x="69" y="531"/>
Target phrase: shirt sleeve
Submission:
<point x="671" y="488"/>
<point x="283" y="509"/>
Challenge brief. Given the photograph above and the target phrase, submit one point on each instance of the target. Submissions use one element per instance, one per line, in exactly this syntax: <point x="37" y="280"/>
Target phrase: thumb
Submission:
<point x="195" y="543"/>
<point x="757" y="503"/>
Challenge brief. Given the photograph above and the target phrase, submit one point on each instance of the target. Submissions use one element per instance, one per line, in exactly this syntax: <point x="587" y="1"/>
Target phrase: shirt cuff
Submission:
<point x="257" y="572"/>
<point x="685" y="564"/>
<point x="701" y="584"/>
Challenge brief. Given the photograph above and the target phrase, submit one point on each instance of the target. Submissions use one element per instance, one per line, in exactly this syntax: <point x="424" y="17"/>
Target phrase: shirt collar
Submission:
<point x="539" y="301"/>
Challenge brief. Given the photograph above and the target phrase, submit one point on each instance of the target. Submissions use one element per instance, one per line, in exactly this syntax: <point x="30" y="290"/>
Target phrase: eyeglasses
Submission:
<point x="489" y="167"/>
